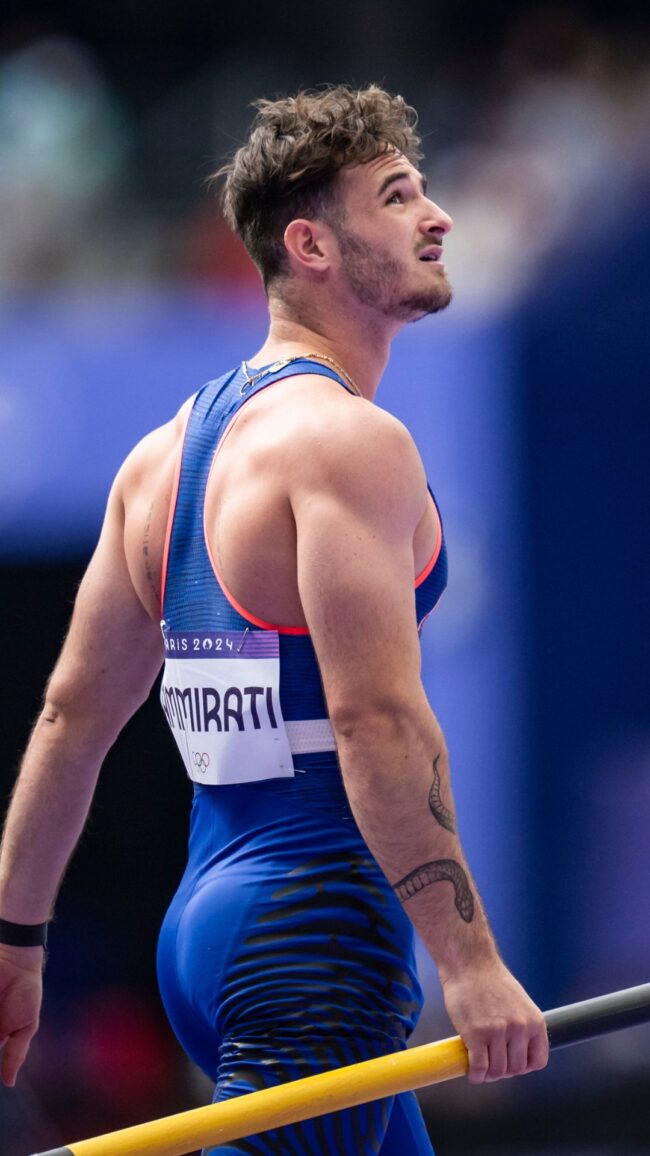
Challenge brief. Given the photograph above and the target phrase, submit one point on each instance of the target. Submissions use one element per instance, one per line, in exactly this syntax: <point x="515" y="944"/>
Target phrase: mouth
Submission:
<point x="434" y="253"/>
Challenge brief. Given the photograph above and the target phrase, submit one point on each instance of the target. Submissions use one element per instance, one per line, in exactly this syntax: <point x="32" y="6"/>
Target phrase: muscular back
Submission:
<point x="282" y="445"/>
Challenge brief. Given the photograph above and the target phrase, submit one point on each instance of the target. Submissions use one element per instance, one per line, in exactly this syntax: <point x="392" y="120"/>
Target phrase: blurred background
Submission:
<point x="121" y="291"/>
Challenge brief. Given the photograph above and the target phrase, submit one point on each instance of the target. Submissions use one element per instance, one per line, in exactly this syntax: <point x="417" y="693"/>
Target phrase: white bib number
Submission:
<point x="221" y="696"/>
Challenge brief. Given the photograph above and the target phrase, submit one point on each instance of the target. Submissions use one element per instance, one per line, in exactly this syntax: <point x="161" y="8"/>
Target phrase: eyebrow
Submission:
<point x="400" y="175"/>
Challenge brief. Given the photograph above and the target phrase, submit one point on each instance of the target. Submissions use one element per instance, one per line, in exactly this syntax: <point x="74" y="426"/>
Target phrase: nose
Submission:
<point x="435" y="220"/>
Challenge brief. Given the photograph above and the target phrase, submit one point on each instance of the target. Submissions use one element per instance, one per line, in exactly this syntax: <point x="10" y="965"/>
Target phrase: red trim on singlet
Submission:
<point x="172" y="504"/>
<point x="246" y="613"/>
<point x="424" y="574"/>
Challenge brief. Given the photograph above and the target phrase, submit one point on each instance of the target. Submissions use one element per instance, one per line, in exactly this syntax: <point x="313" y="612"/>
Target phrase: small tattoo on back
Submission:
<point x="146" y="553"/>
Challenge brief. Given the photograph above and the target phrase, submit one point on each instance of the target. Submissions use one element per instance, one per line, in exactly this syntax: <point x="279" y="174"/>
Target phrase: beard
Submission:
<point x="380" y="281"/>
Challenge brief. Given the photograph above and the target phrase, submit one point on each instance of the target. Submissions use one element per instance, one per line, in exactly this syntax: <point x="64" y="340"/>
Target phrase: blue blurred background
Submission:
<point x="121" y="291"/>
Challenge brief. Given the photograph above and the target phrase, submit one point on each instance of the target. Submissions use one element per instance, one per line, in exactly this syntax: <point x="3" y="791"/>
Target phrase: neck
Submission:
<point x="360" y="345"/>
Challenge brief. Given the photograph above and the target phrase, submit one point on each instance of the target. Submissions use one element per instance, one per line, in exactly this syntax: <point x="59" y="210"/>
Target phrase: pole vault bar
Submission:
<point x="347" y="1087"/>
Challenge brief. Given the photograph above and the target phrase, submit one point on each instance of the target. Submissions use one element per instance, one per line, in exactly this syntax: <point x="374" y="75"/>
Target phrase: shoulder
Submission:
<point x="364" y="456"/>
<point x="344" y="440"/>
<point x="154" y="455"/>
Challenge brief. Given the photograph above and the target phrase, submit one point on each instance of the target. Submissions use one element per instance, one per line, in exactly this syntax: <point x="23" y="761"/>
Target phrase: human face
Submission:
<point x="390" y="239"/>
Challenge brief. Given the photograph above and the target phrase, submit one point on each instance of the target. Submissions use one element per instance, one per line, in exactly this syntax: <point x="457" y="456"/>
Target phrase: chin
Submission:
<point x="421" y="305"/>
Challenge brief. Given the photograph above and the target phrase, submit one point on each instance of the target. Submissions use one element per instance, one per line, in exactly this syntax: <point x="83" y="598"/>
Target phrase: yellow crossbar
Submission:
<point x="285" y="1104"/>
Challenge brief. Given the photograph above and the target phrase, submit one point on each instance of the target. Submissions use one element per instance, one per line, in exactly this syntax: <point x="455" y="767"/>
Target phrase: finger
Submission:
<point x="478" y="1062"/>
<point x="498" y="1052"/>
<point x="14" y="1055"/>
<point x="517" y="1053"/>
<point x="538" y="1051"/>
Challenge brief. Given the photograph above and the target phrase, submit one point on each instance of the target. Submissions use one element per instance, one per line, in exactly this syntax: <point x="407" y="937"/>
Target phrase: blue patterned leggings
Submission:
<point x="282" y="958"/>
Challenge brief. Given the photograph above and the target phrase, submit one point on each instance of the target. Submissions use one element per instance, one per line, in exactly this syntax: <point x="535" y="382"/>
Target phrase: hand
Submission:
<point x="21" y="988"/>
<point x="503" y="1030"/>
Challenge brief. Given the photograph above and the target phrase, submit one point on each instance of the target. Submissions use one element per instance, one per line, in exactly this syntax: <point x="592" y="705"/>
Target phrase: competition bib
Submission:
<point x="221" y="696"/>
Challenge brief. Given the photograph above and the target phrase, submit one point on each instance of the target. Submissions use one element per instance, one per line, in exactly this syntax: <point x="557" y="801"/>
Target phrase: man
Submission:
<point x="290" y="520"/>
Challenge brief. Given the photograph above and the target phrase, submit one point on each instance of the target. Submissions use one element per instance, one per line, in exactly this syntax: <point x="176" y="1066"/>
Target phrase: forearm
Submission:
<point x="46" y="816"/>
<point x="396" y="773"/>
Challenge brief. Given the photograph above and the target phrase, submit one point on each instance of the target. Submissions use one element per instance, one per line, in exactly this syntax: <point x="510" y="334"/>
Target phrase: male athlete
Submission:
<point x="282" y="528"/>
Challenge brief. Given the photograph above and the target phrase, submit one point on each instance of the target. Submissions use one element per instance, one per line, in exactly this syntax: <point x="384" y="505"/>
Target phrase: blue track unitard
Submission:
<point x="285" y="951"/>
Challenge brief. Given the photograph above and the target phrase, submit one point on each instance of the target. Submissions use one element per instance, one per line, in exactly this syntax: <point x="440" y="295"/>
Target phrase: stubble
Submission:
<point x="380" y="281"/>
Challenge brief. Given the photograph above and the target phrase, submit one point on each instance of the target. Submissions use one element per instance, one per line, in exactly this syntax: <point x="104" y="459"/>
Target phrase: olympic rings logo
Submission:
<point x="201" y="761"/>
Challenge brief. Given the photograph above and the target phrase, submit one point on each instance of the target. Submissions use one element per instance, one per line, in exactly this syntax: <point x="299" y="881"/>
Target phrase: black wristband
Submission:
<point x="23" y="934"/>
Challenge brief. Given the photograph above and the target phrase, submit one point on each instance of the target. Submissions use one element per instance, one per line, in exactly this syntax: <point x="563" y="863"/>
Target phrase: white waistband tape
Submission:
<point x="308" y="736"/>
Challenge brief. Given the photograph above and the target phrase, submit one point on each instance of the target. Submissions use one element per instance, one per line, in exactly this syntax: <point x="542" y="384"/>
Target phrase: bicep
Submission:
<point x="113" y="649"/>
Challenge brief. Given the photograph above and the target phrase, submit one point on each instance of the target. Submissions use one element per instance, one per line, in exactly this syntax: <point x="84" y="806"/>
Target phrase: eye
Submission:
<point x="396" y="198"/>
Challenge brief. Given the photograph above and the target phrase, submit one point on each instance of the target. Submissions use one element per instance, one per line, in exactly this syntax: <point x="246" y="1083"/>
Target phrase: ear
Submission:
<point x="309" y="245"/>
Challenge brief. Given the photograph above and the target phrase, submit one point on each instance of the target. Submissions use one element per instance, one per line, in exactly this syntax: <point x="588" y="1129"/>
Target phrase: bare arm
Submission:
<point x="356" y="511"/>
<point x="107" y="666"/>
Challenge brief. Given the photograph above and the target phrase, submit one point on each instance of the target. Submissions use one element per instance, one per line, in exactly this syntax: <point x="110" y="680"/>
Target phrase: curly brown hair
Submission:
<point x="295" y="148"/>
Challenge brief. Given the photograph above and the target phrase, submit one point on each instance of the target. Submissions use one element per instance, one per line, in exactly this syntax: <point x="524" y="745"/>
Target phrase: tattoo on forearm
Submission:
<point x="447" y="870"/>
<point x="440" y="813"/>
<point x="146" y="553"/>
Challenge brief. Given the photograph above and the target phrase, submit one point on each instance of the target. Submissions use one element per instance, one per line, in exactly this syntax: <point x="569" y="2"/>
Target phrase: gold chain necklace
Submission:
<point x="278" y="365"/>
